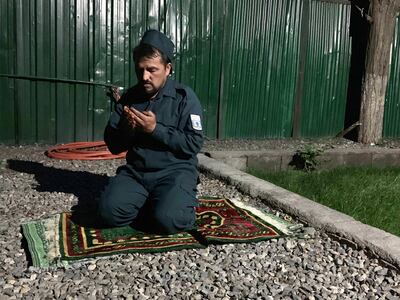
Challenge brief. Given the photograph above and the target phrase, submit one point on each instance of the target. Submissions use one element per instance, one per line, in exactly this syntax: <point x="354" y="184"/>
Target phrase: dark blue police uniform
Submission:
<point x="156" y="189"/>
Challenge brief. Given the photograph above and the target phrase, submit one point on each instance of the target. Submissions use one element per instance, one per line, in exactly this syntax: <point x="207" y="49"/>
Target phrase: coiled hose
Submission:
<point x="83" y="151"/>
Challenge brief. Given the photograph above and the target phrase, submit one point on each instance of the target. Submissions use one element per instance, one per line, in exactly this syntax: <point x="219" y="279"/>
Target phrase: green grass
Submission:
<point x="370" y="195"/>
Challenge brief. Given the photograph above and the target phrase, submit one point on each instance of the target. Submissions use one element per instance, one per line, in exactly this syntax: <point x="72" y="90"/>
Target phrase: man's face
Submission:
<point x="152" y="74"/>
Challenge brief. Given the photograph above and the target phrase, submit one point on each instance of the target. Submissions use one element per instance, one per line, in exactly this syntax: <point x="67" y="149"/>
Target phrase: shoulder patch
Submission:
<point x="196" y="122"/>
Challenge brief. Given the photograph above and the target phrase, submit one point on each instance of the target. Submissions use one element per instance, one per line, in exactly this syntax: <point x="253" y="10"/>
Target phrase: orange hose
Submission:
<point x="83" y="151"/>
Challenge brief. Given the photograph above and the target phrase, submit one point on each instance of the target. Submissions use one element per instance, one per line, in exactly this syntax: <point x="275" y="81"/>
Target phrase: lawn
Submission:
<point x="370" y="195"/>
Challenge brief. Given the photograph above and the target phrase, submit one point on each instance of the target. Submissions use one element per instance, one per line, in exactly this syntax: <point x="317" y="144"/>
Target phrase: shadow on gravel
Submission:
<point x="84" y="185"/>
<point x="24" y="245"/>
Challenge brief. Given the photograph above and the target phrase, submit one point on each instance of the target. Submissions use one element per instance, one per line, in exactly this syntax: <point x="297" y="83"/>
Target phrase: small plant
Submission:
<point x="306" y="159"/>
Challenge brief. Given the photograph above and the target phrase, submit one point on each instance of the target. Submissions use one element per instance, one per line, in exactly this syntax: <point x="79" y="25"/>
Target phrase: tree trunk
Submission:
<point x="377" y="69"/>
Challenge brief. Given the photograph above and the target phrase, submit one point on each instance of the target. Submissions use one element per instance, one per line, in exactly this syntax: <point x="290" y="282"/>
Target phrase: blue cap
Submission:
<point x="159" y="41"/>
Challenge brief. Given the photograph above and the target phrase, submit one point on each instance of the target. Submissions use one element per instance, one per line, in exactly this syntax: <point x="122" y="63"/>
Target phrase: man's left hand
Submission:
<point x="144" y="120"/>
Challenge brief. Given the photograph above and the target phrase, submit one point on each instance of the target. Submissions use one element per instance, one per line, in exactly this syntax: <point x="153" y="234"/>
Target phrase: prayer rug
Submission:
<point x="58" y="241"/>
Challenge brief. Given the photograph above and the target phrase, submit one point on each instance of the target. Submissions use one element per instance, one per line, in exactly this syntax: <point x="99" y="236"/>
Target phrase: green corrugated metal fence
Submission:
<point x="259" y="68"/>
<point x="327" y="66"/>
<point x="91" y="40"/>
<point x="7" y="54"/>
<point x="243" y="58"/>
<point x="391" y="123"/>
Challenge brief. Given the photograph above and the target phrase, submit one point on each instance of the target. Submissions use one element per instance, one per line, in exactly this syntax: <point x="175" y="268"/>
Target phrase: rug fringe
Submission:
<point x="283" y="226"/>
<point x="43" y="241"/>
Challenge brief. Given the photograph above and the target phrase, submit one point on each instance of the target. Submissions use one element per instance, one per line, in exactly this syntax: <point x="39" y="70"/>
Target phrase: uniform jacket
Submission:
<point x="177" y="137"/>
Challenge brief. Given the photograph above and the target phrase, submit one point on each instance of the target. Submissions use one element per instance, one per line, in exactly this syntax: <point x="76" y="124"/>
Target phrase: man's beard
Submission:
<point x="149" y="89"/>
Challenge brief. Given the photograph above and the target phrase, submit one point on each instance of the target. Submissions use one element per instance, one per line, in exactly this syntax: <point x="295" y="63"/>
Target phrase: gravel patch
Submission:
<point x="32" y="186"/>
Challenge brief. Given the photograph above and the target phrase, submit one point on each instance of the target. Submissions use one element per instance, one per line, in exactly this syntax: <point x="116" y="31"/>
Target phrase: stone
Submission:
<point x="309" y="232"/>
<point x="91" y="267"/>
<point x="361" y="277"/>
<point x="382" y="272"/>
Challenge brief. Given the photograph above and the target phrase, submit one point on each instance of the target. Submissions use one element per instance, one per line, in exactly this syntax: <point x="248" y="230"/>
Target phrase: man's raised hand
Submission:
<point x="144" y="120"/>
<point x="129" y="121"/>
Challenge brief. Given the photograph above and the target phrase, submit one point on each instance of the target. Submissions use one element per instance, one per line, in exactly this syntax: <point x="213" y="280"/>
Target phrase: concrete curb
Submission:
<point x="280" y="159"/>
<point x="379" y="242"/>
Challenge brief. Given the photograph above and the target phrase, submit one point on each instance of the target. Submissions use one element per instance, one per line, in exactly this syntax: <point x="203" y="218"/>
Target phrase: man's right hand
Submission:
<point x="128" y="122"/>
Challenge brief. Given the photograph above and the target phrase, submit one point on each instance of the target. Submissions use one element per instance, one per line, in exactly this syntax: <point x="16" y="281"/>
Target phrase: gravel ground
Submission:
<point x="31" y="186"/>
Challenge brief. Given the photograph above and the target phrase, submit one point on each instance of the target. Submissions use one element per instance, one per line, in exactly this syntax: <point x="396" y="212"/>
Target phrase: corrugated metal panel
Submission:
<point x="326" y="70"/>
<point x="241" y="58"/>
<point x="25" y="92"/>
<point x="259" y="68"/>
<point x="91" y="40"/>
<point x="196" y="27"/>
<point x="391" y="126"/>
<point x="65" y="93"/>
<point x="8" y="128"/>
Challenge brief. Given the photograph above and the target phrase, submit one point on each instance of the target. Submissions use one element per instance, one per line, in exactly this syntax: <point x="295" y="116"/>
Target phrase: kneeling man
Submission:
<point x="158" y="121"/>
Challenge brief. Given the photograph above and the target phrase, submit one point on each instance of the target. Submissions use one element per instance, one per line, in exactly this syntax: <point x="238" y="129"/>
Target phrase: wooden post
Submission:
<point x="384" y="14"/>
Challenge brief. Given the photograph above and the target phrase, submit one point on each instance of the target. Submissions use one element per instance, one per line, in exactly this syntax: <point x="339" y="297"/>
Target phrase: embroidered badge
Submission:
<point x="196" y="122"/>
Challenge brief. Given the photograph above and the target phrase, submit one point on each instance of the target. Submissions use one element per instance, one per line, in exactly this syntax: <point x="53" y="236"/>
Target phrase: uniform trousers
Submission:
<point x="159" y="202"/>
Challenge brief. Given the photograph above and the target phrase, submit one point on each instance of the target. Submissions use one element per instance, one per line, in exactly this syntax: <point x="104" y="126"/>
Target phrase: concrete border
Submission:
<point x="379" y="242"/>
<point x="277" y="160"/>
